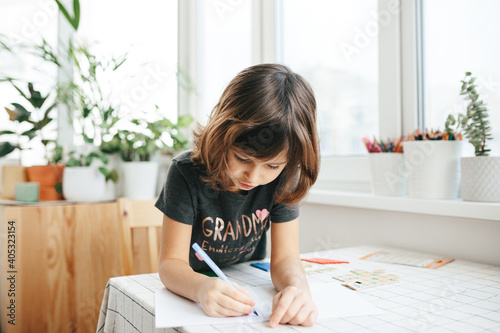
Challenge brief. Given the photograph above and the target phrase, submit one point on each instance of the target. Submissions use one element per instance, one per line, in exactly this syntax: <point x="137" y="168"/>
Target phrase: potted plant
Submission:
<point x="138" y="148"/>
<point x="88" y="93"/>
<point x="32" y="122"/>
<point x="83" y="180"/>
<point x="481" y="173"/>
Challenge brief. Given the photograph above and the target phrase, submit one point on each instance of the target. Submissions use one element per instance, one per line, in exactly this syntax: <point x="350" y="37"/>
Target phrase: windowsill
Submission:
<point x="455" y="208"/>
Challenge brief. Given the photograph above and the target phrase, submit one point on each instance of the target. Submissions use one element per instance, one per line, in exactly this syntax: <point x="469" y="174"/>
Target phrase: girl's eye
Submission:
<point x="242" y="160"/>
<point x="274" y="167"/>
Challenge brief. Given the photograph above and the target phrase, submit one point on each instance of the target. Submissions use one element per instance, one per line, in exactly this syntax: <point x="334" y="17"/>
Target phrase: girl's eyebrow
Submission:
<point x="241" y="154"/>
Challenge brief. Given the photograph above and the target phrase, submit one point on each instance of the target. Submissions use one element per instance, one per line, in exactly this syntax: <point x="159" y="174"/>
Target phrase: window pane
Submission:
<point x="334" y="45"/>
<point x="225" y="42"/>
<point x="27" y="22"/>
<point x="147" y="31"/>
<point x="464" y="41"/>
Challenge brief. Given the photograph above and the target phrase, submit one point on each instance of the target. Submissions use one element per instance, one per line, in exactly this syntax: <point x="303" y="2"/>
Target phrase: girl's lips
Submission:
<point x="246" y="186"/>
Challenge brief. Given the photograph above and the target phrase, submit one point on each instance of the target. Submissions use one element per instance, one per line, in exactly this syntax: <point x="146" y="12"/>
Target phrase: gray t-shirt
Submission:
<point x="230" y="227"/>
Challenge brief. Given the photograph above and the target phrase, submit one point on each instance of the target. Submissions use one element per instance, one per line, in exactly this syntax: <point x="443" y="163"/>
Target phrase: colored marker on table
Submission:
<point x="214" y="267"/>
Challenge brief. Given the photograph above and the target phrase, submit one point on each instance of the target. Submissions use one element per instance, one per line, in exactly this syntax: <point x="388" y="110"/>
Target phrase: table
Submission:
<point x="460" y="296"/>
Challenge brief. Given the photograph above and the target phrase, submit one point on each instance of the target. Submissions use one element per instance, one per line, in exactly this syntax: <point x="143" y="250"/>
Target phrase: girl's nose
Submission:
<point x="251" y="174"/>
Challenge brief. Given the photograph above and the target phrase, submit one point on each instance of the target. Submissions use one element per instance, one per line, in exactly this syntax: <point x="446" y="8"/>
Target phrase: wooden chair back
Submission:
<point x="141" y="234"/>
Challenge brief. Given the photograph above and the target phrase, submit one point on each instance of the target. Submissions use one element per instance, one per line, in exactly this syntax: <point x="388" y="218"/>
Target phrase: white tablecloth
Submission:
<point x="460" y="296"/>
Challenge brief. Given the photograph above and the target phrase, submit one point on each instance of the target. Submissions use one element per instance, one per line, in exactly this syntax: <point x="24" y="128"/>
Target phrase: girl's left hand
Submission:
<point x="293" y="306"/>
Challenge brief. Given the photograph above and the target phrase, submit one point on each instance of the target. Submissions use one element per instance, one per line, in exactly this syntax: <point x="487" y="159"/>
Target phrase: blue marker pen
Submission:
<point x="214" y="267"/>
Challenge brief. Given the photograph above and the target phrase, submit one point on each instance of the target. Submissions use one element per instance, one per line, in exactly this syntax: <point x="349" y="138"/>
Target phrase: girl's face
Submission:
<point x="246" y="172"/>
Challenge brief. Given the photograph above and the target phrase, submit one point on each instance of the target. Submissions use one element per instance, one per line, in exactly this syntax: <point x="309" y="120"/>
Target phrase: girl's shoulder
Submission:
<point x="185" y="165"/>
<point x="183" y="158"/>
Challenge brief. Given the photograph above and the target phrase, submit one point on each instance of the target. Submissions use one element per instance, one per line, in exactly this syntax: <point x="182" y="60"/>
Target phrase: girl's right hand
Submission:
<point x="220" y="299"/>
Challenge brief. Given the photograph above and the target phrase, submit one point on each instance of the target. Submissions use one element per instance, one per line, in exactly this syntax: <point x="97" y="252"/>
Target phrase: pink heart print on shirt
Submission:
<point x="262" y="214"/>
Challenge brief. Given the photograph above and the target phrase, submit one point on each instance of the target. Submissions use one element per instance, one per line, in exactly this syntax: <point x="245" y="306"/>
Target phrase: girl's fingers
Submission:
<point x="235" y="306"/>
<point x="292" y="314"/>
<point x="292" y="308"/>
<point x="311" y="319"/>
<point x="281" y="303"/>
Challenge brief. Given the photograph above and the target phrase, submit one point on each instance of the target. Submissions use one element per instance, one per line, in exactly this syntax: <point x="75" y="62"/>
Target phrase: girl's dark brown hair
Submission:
<point x="265" y="110"/>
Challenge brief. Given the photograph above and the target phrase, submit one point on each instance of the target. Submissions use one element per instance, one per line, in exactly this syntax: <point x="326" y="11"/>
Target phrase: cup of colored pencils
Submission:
<point x="435" y="135"/>
<point x="381" y="146"/>
<point x="388" y="173"/>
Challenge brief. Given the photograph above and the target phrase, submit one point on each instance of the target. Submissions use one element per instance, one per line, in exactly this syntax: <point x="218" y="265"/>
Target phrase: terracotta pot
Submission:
<point x="12" y="174"/>
<point x="47" y="176"/>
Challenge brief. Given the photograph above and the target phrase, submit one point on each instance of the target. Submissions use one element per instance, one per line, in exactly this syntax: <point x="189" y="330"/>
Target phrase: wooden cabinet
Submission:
<point x="59" y="259"/>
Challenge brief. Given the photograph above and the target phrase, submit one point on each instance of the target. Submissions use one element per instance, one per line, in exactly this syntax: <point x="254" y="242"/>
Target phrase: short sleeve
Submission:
<point x="176" y="199"/>
<point x="284" y="213"/>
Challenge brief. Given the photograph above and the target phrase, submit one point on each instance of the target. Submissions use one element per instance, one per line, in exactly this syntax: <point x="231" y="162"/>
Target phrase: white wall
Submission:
<point x="324" y="227"/>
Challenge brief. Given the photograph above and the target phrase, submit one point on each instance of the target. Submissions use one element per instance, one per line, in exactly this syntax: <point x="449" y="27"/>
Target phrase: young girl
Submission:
<point x="251" y="164"/>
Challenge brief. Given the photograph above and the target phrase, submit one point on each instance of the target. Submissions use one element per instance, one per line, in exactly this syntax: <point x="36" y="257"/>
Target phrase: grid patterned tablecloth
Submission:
<point x="461" y="296"/>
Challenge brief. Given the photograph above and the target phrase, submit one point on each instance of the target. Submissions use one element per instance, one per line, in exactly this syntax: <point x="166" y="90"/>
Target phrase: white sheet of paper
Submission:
<point x="332" y="300"/>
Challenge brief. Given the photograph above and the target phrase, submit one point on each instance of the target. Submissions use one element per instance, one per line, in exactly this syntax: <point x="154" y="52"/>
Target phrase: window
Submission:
<point x="224" y="48"/>
<point x="27" y="22"/>
<point x="147" y="32"/>
<point x="464" y="41"/>
<point x="334" y="45"/>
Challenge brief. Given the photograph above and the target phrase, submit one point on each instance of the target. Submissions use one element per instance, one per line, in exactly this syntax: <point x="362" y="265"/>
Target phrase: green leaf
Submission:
<point x="468" y="73"/>
<point x="42" y="123"/>
<point x="74" y="21"/>
<point x="6" y="148"/>
<point x="76" y="10"/>
<point x="36" y="98"/>
<point x="58" y="187"/>
<point x="19" y="113"/>
<point x="105" y="172"/>
<point x="86" y="111"/>
<point x="91" y="156"/>
<point x="30" y="133"/>
<point x="113" y="175"/>
<point x="184" y="121"/>
<point x="109" y="175"/>
<point x="87" y="139"/>
<point x="46" y="114"/>
<point x="7" y="132"/>
<point x="117" y="65"/>
<point x="73" y="162"/>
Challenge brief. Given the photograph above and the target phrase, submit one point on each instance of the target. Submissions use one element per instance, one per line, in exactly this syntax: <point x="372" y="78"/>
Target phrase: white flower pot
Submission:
<point x="481" y="178"/>
<point x="140" y="180"/>
<point x="433" y="168"/>
<point x="388" y="174"/>
<point x="85" y="184"/>
<point x="109" y="191"/>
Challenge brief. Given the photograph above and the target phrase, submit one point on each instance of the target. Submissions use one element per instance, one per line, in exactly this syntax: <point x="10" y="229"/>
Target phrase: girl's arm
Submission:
<point x="293" y="304"/>
<point x="217" y="298"/>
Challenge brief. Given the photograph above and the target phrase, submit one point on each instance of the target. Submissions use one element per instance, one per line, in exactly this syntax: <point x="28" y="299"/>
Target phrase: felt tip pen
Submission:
<point x="214" y="267"/>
